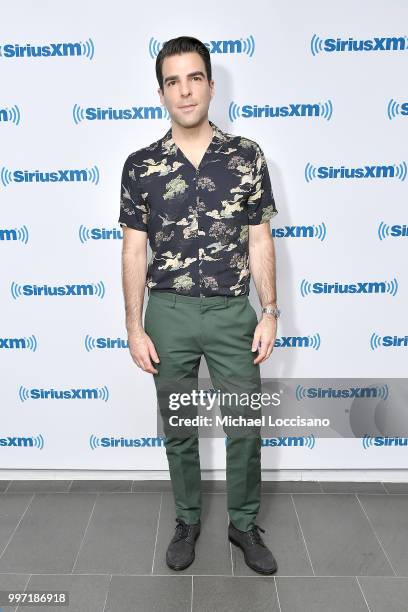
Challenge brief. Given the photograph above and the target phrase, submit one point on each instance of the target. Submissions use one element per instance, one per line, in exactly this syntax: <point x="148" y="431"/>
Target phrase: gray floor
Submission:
<point x="340" y="547"/>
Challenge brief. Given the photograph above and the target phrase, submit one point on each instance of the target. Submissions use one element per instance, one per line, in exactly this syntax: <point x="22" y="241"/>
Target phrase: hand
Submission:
<point x="265" y="333"/>
<point x="142" y="350"/>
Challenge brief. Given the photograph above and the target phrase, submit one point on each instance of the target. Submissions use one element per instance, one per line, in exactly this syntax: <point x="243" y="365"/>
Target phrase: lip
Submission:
<point x="188" y="106"/>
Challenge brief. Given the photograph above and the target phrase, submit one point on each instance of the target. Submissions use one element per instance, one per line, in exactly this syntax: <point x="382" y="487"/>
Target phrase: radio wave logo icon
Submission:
<point x="31" y="343"/>
<point x="310" y="172"/>
<point x="326" y="109"/>
<point x="314" y="341"/>
<point x="320" y="231"/>
<point x="393" y="109"/>
<point x="93" y="175"/>
<point x="401" y="171"/>
<point x="23" y="393"/>
<point x="38" y="442"/>
<point x="78" y="113"/>
<point x="305" y="287"/>
<point x="367" y="441"/>
<point x="316" y="44"/>
<point x="6" y="176"/>
<point x="234" y="111"/>
<point x="16" y="290"/>
<point x="384" y="230"/>
<point x="90" y="343"/>
<point x="94" y="442"/>
<point x="392" y="287"/>
<point x="22" y="234"/>
<point x="154" y="47"/>
<point x="88" y="48"/>
<point x="375" y="341"/>
<point x="301" y="393"/>
<point x="99" y="289"/>
<point x="84" y="234"/>
<point x="103" y="393"/>
<point x="309" y="441"/>
<point x="12" y="116"/>
<point x="249" y="45"/>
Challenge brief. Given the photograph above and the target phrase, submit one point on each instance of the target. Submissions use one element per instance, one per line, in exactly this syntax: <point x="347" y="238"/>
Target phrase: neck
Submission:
<point x="198" y="133"/>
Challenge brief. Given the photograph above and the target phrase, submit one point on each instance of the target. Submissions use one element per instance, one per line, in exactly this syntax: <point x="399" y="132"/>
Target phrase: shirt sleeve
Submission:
<point x="133" y="209"/>
<point x="261" y="203"/>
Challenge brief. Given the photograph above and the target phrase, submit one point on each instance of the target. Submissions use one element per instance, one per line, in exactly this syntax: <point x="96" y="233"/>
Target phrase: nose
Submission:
<point x="185" y="88"/>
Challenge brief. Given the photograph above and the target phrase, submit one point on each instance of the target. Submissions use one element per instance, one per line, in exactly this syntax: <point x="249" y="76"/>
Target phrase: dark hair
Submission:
<point x="182" y="44"/>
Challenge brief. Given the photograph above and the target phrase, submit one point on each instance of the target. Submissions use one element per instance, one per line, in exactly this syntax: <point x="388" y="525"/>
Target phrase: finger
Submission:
<point x="146" y="364"/>
<point x="255" y="341"/>
<point x="153" y="352"/>
<point x="268" y="352"/>
<point x="261" y="355"/>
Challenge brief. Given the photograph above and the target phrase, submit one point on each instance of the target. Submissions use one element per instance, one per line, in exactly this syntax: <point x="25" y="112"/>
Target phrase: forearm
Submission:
<point x="262" y="262"/>
<point x="133" y="283"/>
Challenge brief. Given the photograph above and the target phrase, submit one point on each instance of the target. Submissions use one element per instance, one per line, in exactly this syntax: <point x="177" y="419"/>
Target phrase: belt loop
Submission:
<point x="173" y="302"/>
<point x="226" y="301"/>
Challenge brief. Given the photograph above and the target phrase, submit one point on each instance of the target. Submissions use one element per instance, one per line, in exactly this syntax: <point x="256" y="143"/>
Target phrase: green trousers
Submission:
<point x="183" y="328"/>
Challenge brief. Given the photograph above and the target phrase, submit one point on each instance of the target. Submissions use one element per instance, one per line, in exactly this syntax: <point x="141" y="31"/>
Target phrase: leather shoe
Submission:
<point x="256" y="554"/>
<point x="180" y="552"/>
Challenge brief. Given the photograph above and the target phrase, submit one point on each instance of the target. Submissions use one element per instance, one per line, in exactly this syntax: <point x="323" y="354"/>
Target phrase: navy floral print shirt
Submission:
<point x="197" y="218"/>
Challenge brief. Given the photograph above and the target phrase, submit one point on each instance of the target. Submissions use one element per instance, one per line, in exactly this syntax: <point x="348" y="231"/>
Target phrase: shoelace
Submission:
<point x="255" y="536"/>
<point x="182" y="529"/>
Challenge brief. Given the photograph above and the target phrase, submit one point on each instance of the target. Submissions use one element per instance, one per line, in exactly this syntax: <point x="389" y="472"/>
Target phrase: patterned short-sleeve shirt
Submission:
<point x="197" y="218"/>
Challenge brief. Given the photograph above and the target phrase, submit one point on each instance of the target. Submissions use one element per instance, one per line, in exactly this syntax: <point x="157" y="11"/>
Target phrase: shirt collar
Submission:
<point x="169" y="147"/>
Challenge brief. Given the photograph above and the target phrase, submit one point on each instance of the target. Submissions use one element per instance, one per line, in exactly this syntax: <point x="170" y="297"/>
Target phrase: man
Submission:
<point x="203" y="197"/>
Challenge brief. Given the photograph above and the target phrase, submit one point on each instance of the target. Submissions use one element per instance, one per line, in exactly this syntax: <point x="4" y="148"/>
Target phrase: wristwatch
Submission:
<point x="273" y="310"/>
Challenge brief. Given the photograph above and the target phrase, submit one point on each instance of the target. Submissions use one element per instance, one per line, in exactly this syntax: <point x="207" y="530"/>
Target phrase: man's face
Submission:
<point x="186" y="91"/>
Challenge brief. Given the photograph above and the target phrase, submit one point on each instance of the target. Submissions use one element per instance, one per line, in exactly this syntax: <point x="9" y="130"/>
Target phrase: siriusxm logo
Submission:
<point x="238" y="46"/>
<point x="300" y="231"/>
<point x="16" y="234"/>
<point x="23" y="442"/>
<point x="111" y="442"/>
<point x="303" y="441"/>
<point x="392" y="231"/>
<point x="377" y="341"/>
<point x="62" y="49"/>
<point x="84" y="175"/>
<point x="24" y="343"/>
<point x="98" y="233"/>
<point x="298" y="342"/>
<point x="104" y="343"/>
<point x="368" y="441"/>
<point x="96" y="113"/>
<point x="350" y="44"/>
<point x="10" y="115"/>
<point x="397" y="171"/>
<point x="391" y="287"/>
<point x="250" y="111"/>
<point x="91" y="289"/>
<point x="95" y="393"/>
<point x="379" y="391"/>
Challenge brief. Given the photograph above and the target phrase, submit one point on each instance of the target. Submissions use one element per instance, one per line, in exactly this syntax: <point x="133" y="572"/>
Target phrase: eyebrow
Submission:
<point x="190" y="74"/>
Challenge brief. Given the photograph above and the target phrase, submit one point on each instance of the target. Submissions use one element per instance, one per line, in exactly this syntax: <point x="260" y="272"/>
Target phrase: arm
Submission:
<point x="262" y="267"/>
<point x="134" y="260"/>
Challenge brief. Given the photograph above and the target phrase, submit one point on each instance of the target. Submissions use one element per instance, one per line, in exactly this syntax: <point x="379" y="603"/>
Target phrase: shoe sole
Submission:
<point x="246" y="560"/>
<point x="181" y="567"/>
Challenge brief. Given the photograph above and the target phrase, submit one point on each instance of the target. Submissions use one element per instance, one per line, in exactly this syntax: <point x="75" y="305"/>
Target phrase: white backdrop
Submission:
<point x="59" y="64"/>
